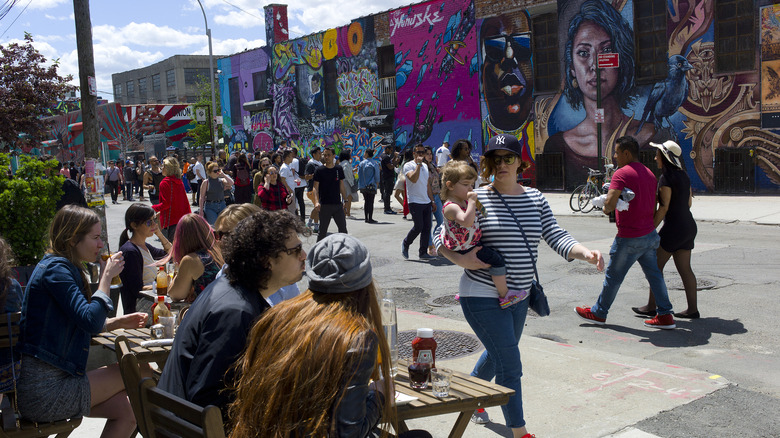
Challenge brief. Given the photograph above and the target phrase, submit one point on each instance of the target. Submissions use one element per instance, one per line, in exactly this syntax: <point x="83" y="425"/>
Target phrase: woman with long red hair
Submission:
<point x="310" y="361"/>
<point x="196" y="252"/>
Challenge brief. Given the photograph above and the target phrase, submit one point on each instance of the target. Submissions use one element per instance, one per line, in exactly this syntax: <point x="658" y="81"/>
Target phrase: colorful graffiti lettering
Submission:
<point x="404" y="20"/>
<point x="358" y="89"/>
<point x="284" y="110"/>
<point x="304" y="51"/>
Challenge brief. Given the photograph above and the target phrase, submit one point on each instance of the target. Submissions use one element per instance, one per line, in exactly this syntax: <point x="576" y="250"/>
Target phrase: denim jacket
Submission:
<point x="57" y="319"/>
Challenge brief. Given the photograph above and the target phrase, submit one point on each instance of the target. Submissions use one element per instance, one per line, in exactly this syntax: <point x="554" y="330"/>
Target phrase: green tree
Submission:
<point x="201" y="133"/>
<point x="29" y="201"/>
<point x="28" y="88"/>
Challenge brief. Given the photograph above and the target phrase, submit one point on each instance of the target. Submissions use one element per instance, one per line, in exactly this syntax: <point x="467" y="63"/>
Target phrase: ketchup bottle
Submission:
<point x="424" y="347"/>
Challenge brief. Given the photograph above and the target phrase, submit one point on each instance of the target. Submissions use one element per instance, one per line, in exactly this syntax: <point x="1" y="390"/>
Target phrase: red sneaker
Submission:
<point x="587" y="315"/>
<point x="665" y="322"/>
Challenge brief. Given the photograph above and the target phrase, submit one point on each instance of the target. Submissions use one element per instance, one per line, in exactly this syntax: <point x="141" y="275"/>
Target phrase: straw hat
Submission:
<point x="671" y="151"/>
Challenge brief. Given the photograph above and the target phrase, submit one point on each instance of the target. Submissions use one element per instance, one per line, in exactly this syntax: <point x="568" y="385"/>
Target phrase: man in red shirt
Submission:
<point x="636" y="240"/>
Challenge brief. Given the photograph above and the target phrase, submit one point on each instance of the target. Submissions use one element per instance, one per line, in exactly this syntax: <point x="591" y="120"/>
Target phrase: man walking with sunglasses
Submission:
<point x="212" y="336"/>
<point x="421" y="204"/>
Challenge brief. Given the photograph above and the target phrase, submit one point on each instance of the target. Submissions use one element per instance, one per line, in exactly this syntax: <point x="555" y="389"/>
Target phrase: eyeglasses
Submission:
<point x="295" y="250"/>
<point x="150" y="222"/>
<point x="221" y="234"/>
<point x="507" y="159"/>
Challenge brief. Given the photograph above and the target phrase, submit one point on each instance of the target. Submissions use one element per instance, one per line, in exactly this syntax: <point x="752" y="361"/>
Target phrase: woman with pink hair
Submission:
<point x="198" y="257"/>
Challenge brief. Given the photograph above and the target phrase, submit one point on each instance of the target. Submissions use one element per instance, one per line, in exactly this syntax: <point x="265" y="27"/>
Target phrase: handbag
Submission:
<point x="370" y="189"/>
<point x="537" y="300"/>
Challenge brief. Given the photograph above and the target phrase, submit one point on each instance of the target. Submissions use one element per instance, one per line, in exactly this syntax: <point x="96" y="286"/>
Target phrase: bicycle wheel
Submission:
<point x="588" y="193"/>
<point x="574" y="200"/>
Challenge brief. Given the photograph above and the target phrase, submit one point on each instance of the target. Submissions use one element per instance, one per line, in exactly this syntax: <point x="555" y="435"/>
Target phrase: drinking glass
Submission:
<point x="441" y="378"/>
<point x="168" y="323"/>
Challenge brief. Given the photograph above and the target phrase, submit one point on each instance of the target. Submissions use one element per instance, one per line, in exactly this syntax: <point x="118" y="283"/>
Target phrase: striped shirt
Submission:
<point x="500" y="232"/>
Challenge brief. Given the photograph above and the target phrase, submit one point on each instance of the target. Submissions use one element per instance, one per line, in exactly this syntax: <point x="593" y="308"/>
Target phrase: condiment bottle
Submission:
<point x="424" y="347"/>
<point x="162" y="282"/>
<point x="160" y="308"/>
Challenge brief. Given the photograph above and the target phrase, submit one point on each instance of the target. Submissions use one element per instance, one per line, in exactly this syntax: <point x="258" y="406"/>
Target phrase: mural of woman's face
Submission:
<point x="590" y="40"/>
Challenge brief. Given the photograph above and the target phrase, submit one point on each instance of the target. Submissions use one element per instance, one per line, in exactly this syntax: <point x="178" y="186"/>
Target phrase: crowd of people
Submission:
<point x="278" y="362"/>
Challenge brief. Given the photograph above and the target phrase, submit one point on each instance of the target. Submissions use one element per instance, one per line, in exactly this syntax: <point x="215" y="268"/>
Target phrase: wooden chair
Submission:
<point x="169" y="416"/>
<point x="131" y="376"/>
<point x="11" y="426"/>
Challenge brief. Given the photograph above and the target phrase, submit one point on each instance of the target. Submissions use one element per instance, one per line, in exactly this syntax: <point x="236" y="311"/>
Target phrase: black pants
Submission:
<point x="301" y="205"/>
<point x="386" y="187"/>
<point x="128" y="193"/>
<point x="336" y="212"/>
<point x="368" y="205"/>
<point x="421" y="215"/>
<point x="169" y="232"/>
<point x="195" y="190"/>
<point x="113" y="187"/>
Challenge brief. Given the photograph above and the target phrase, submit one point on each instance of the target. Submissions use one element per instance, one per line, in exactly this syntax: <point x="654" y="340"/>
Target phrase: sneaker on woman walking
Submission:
<point x="665" y="322"/>
<point x="480" y="416"/>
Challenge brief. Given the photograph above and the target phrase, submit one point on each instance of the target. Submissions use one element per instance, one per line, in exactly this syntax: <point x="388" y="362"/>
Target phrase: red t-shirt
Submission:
<point x="637" y="221"/>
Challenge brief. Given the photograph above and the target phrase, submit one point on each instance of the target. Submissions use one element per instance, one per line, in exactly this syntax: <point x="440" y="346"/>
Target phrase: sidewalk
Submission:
<point x="571" y="391"/>
<point x="761" y="210"/>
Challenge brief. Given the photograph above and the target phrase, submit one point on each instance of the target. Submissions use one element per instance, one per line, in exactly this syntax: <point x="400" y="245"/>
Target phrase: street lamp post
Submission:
<point x="213" y="123"/>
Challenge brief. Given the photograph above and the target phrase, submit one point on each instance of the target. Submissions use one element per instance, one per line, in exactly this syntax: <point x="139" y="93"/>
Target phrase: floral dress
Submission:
<point x="457" y="237"/>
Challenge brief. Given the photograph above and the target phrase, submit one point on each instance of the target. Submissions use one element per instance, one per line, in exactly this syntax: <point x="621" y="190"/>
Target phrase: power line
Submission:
<point x="17" y="17"/>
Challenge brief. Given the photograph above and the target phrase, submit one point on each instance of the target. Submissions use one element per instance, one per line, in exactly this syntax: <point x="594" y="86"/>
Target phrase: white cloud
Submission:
<point x="230" y="46"/>
<point x="60" y="18"/>
<point x="240" y="19"/>
<point x="145" y="35"/>
<point x="46" y="4"/>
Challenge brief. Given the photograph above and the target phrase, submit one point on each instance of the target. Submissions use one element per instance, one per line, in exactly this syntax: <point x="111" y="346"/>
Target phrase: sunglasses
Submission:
<point x="496" y="47"/>
<point x="221" y="234"/>
<point x="295" y="250"/>
<point x="507" y="159"/>
<point x="150" y="222"/>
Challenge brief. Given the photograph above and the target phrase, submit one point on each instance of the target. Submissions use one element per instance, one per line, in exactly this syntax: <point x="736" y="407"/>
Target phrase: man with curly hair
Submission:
<point x="262" y="254"/>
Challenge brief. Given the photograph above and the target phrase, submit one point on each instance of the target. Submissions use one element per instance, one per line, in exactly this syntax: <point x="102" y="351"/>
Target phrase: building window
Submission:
<point x="192" y="99"/>
<point x="171" y="77"/>
<point x="651" y="57"/>
<point x="331" y="89"/>
<point x="130" y="89"/>
<point x="235" y="99"/>
<point x="735" y="40"/>
<point x="172" y="98"/>
<point x="191" y="75"/>
<point x="259" y="85"/>
<point x="142" y="87"/>
<point x="117" y="91"/>
<point x="156" y="82"/>
<point x="547" y="77"/>
<point x="386" y="61"/>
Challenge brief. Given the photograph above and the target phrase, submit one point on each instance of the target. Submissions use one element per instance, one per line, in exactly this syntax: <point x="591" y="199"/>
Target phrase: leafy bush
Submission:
<point x="28" y="201"/>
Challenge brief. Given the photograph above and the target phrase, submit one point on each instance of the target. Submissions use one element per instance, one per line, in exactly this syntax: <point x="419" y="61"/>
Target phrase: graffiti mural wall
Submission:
<point x="437" y="74"/>
<point x="705" y="112"/>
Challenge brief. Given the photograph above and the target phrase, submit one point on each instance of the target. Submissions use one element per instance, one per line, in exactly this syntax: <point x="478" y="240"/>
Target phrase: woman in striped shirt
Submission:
<point x="500" y="329"/>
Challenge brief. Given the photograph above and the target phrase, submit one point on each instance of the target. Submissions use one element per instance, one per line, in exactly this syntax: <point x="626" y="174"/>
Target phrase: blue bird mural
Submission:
<point x="668" y="95"/>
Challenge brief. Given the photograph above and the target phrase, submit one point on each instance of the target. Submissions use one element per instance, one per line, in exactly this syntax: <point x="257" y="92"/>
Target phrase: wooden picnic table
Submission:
<point x="467" y="394"/>
<point x="134" y="337"/>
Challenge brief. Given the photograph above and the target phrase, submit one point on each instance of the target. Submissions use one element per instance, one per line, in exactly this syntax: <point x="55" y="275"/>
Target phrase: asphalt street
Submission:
<point x="732" y="351"/>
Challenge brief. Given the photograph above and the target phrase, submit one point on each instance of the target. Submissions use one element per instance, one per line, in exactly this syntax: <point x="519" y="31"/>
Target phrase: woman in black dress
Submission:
<point x="674" y="208"/>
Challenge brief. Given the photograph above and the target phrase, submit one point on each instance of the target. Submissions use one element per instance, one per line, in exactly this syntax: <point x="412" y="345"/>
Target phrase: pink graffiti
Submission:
<point x="260" y="121"/>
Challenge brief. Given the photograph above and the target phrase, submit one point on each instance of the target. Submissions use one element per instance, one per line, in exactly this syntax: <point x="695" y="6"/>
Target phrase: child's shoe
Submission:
<point x="512" y="297"/>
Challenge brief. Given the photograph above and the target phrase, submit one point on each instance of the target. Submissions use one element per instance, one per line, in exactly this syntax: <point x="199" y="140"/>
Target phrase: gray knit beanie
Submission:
<point x="338" y="264"/>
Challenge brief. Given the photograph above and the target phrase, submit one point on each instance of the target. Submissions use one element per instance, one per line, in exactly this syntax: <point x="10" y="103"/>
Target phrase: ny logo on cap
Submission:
<point x="500" y="139"/>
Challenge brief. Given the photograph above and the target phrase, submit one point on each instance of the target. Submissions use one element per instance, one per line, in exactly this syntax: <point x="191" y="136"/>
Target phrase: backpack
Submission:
<point x="243" y="178"/>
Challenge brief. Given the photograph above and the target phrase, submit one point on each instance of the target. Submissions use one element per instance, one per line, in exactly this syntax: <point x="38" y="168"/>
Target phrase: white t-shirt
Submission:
<point x="417" y="192"/>
<point x="199" y="171"/>
<point x="442" y="156"/>
<point x="287" y="173"/>
<point x="296" y="166"/>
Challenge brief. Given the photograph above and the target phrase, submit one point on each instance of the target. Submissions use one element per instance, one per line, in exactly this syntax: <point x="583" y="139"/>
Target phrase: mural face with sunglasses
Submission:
<point x="507" y="78"/>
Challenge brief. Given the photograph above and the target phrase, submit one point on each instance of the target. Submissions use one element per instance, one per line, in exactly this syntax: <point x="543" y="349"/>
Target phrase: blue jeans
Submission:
<point x="212" y="210"/>
<point x="438" y="215"/>
<point x="499" y="330"/>
<point x="624" y="252"/>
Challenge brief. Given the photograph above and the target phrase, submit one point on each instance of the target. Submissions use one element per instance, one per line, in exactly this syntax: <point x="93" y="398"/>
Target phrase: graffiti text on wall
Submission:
<point x="358" y="89"/>
<point x="400" y="20"/>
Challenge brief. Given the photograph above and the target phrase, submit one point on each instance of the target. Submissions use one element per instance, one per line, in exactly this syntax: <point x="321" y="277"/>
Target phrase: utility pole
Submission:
<point x="86" y="71"/>
<point x="89" y="121"/>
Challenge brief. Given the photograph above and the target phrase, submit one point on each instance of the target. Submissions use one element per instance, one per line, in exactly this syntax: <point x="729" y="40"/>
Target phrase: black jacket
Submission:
<point x="208" y="342"/>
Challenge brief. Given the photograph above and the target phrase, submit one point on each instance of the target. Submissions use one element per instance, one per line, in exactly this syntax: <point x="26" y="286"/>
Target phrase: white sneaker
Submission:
<point x="480" y="416"/>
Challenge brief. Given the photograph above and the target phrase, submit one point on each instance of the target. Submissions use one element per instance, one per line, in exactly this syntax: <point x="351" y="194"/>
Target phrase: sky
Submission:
<point x="133" y="34"/>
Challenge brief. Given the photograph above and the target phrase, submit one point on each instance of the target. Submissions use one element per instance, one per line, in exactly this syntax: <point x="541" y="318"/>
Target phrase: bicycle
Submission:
<point x="591" y="189"/>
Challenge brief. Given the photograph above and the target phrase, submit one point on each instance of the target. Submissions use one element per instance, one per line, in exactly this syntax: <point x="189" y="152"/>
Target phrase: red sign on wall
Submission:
<point x="609" y="60"/>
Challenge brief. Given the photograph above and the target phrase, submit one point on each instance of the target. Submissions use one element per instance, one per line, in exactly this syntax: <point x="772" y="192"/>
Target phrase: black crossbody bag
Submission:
<point x="537" y="299"/>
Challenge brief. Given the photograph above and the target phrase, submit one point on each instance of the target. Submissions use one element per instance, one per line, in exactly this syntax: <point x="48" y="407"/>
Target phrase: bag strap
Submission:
<point x="522" y="232"/>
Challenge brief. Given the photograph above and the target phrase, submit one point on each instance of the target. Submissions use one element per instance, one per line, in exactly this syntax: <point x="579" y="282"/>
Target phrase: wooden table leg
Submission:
<point x="402" y="427"/>
<point x="460" y="424"/>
